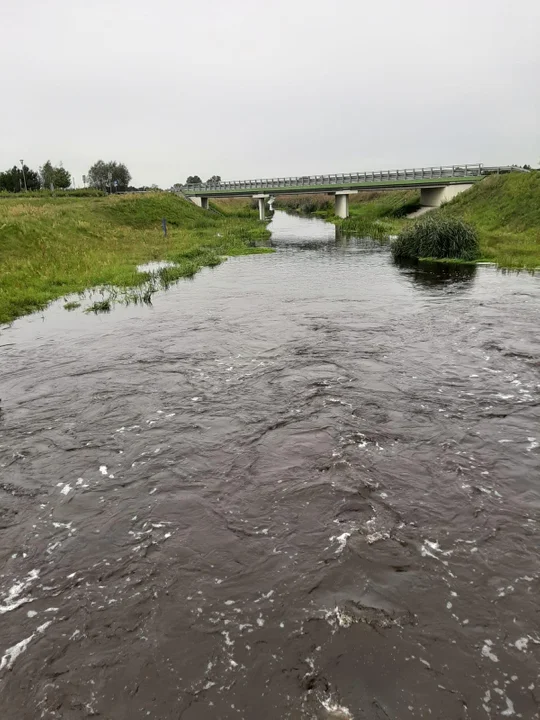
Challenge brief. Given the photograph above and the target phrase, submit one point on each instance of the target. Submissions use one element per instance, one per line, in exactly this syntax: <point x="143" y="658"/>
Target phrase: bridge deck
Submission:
<point x="380" y="180"/>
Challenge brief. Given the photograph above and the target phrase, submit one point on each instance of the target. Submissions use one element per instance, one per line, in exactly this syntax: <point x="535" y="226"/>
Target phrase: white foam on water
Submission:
<point x="103" y="469"/>
<point x="13" y="652"/>
<point x="428" y="549"/>
<point x="338" y="618"/>
<point x="66" y="489"/>
<point x="334" y="710"/>
<point x="533" y="444"/>
<point x="341" y="540"/>
<point x="227" y="637"/>
<point x="509" y="708"/>
<point x="487" y="652"/>
<point x="376" y="536"/>
<point x="12" y="599"/>
<point x="522" y="643"/>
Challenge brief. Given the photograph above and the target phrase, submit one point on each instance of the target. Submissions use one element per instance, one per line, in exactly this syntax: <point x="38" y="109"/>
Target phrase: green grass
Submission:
<point x="52" y="247"/>
<point x="505" y="209"/>
<point x="437" y="236"/>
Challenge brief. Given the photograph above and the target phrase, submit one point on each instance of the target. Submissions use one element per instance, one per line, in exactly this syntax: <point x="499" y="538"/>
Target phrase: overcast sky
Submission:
<point x="247" y="88"/>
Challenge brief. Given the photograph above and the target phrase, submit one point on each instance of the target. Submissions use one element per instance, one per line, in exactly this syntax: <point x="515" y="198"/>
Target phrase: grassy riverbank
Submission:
<point x="504" y="209"/>
<point x="51" y="247"/>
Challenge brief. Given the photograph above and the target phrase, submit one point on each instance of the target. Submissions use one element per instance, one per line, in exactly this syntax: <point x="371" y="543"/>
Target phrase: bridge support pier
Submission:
<point x="436" y="196"/>
<point x="342" y="202"/>
<point x="262" y="200"/>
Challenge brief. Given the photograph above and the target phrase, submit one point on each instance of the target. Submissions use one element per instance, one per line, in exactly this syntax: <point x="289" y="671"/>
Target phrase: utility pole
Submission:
<point x="24" y="176"/>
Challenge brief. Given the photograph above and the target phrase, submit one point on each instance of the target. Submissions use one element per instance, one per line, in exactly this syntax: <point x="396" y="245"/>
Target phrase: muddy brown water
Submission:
<point x="303" y="485"/>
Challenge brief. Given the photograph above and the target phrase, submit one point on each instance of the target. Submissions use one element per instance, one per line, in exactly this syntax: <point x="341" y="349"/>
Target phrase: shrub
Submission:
<point x="436" y="236"/>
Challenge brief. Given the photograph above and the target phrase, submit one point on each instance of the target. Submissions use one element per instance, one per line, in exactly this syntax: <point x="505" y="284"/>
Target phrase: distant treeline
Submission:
<point x="103" y="176"/>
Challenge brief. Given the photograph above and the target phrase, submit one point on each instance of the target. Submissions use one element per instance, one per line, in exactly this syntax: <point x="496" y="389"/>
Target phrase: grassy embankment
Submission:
<point x="51" y="247"/>
<point x="504" y="209"/>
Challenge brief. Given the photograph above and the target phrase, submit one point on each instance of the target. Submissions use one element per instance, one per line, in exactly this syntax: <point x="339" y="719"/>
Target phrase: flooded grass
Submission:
<point x="53" y="247"/>
<point x="100" y="306"/>
<point x="72" y="305"/>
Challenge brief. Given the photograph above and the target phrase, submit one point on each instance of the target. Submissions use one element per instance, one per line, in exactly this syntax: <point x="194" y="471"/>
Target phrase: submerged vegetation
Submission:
<point x="439" y="237"/>
<point x="100" y="306"/>
<point x="51" y="247"/>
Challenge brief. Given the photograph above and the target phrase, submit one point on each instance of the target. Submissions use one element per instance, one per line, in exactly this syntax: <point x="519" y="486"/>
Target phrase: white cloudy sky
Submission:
<point x="247" y="88"/>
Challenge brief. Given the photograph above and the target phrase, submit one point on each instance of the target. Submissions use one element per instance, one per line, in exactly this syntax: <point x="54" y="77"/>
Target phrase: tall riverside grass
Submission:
<point x="51" y="247"/>
<point x="305" y="204"/>
<point x="436" y="236"/>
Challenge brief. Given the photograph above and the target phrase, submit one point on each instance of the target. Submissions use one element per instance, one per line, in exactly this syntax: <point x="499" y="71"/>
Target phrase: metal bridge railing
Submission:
<point x="379" y="176"/>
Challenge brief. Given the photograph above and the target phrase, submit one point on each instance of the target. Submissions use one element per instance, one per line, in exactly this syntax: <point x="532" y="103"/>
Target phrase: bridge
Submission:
<point x="436" y="184"/>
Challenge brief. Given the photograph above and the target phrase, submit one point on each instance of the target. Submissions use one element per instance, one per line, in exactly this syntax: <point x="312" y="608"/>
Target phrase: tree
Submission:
<point x="193" y="180"/>
<point x="58" y="177"/>
<point x="13" y="180"/>
<point x="98" y="175"/>
<point x="214" y="179"/>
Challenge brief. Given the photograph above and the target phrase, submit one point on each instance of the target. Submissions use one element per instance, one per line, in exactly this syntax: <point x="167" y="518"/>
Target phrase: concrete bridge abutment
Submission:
<point x="436" y="196"/>
<point x="201" y="202"/>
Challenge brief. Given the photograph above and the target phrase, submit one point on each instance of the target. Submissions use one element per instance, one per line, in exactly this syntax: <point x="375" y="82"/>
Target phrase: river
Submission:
<point x="301" y="486"/>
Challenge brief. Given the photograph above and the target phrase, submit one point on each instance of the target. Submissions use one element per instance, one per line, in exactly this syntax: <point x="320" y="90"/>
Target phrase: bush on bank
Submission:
<point x="436" y="236"/>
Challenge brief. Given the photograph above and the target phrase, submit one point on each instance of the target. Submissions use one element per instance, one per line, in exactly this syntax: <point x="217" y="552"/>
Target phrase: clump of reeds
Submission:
<point x="436" y="236"/>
